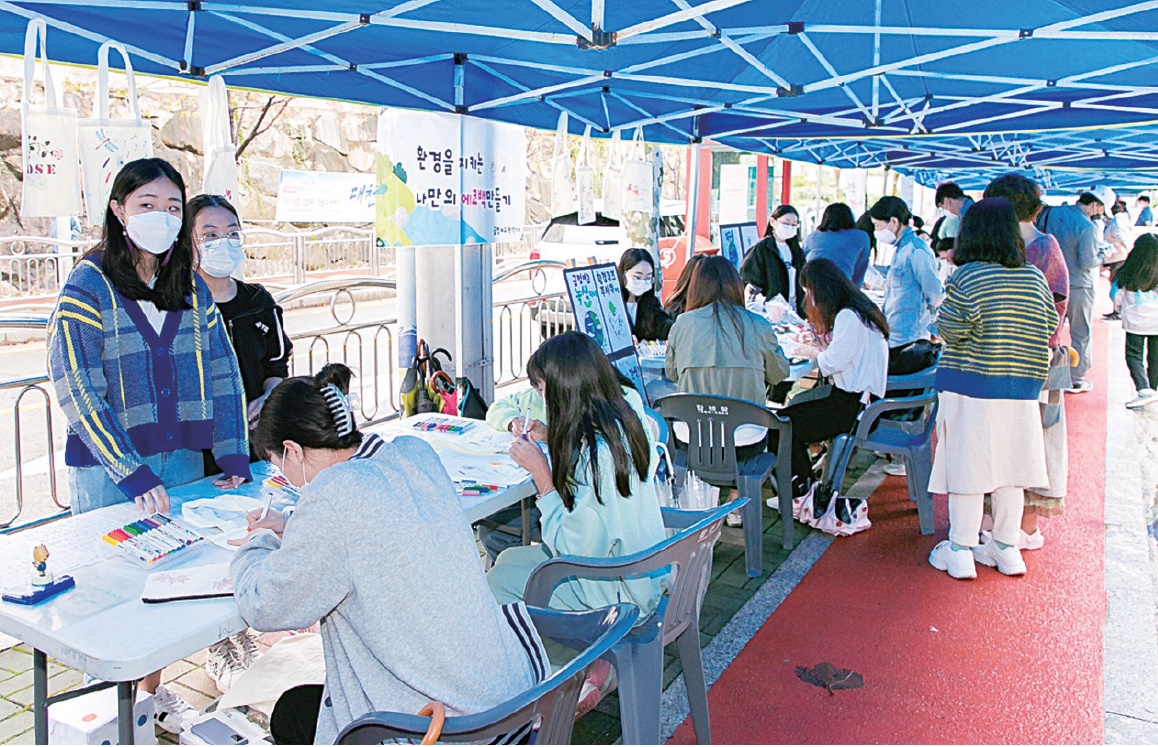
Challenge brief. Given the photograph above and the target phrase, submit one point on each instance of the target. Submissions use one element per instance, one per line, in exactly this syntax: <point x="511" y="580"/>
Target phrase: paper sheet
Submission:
<point x="225" y="512"/>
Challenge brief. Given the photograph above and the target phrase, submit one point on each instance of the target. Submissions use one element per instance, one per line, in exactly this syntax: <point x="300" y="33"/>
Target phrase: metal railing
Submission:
<point x="367" y="346"/>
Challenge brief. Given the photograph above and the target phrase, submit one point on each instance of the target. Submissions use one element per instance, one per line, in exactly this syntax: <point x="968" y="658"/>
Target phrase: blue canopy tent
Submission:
<point x="718" y="68"/>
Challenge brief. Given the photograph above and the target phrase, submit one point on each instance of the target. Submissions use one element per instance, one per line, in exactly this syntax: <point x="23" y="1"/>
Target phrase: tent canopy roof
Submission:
<point x="681" y="68"/>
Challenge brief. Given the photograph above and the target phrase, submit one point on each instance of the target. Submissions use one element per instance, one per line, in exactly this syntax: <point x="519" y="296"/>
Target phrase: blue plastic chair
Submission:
<point x="638" y="657"/>
<point x="907" y="433"/>
<point x="711" y="453"/>
<point x="551" y="703"/>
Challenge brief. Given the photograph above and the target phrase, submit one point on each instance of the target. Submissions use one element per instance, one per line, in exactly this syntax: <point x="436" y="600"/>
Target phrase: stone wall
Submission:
<point x="310" y="134"/>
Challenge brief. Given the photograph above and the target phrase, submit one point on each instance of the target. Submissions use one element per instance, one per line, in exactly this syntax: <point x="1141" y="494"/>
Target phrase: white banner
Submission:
<point x="325" y="197"/>
<point x="426" y="159"/>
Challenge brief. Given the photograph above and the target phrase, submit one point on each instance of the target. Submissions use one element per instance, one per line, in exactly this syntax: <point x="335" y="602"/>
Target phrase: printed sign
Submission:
<point x="597" y="302"/>
<point x="445" y="179"/>
<point x="325" y="197"/>
<point x="736" y="240"/>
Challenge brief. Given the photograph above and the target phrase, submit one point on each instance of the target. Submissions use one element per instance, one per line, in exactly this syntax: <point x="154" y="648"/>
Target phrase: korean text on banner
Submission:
<point x="597" y="301"/>
<point x="48" y="140"/>
<point x="421" y="165"/>
<point x="325" y="197"/>
<point x="108" y="144"/>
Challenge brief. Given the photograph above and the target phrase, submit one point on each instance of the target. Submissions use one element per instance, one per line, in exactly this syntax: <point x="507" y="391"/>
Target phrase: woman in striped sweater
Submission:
<point x="996" y="322"/>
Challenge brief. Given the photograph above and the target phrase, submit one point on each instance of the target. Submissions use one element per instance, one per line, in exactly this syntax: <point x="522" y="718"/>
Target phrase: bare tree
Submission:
<point x="268" y="112"/>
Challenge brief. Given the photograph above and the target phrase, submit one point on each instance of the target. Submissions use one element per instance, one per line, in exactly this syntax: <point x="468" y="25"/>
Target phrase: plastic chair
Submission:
<point x="638" y="656"/>
<point x="660" y="430"/>
<point x="711" y="454"/>
<point x="552" y="702"/>
<point x="909" y="436"/>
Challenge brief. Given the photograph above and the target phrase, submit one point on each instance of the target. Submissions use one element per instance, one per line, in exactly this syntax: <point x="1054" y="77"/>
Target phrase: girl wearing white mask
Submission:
<point x="913" y="289"/>
<point x="252" y="318"/>
<point x="142" y="367"/>
<point x="772" y="267"/>
<point x="637" y="278"/>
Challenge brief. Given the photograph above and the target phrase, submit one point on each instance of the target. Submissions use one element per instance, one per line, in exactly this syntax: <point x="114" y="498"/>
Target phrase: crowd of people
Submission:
<point x="169" y="369"/>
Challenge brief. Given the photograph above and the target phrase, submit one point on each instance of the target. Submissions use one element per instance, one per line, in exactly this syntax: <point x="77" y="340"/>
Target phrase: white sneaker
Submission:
<point x="227" y="659"/>
<point x="1081" y="386"/>
<point x="896" y="468"/>
<point x="1034" y="541"/>
<point x="958" y="563"/>
<point x="1145" y="397"/>
<point x="170" y="711"/>
<point x="735" y="520"/>
<point x="1007" y="560"/>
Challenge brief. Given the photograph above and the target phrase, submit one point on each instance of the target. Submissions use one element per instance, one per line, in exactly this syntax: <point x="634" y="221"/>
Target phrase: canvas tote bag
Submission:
<point x="585" y="181"/>
<point x="48" y="141"/>
<point x="108" y="144"/>
<point x="220" y="177"/>
<point x="613" y="180"/>
<point x="638" y="180"/>
<point x="562" y="182"/>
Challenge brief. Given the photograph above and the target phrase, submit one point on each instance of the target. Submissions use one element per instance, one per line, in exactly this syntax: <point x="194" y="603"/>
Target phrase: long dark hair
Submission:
<point x="584" y="403"/>
<point x="296" y="410"/>
<point x="990" y="234"/>
<point x="1140" y="271"/>
<point x="837" y="217"/>
<point x="631" y="258"/>
<point x="830" y="291"/>
<point x="677" y="302"/>
<point x="119" y="259"/>
<point x="716" y="283"/>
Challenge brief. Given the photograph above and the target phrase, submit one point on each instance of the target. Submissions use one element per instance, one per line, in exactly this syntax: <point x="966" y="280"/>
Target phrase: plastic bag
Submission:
<point x="698" y="495"/>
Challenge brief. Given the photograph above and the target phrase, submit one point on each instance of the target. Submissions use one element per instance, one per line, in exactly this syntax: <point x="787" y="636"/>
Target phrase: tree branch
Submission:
<point x="267" y="110"/>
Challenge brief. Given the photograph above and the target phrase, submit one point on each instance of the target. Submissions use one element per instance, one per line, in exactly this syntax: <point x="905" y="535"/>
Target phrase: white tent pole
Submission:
<point x="694" y="196"/>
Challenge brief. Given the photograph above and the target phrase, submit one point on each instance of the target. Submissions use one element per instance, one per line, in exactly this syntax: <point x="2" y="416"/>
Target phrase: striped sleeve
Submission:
<point x="959" y="314"/>
<point x="76" y="366"/>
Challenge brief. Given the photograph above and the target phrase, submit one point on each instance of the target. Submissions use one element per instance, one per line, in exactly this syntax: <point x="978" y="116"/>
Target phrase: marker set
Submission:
<point x="152" y="540"/>
<point x="479" y="489"/>
<point x="456" y="426"/>
<point x="279" y="486"/>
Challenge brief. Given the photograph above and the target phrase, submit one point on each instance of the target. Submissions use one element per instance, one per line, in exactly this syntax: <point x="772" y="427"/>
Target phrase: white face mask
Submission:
<point x="284" y="452"/>
<point x="153" y="231"/>
<point x="638" y="286"/>
<point x="784" y="231"/>
<point x="220" y="258"/>
<point x="885" y="236"/>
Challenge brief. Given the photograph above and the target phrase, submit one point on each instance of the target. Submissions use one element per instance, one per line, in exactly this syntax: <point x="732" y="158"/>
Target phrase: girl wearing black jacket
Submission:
<point x="773" y="265"/>
<point x="637" y="278"/>
<point x="253" y="320"/>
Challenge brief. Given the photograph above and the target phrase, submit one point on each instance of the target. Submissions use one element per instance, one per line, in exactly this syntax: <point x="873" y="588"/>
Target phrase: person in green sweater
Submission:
<point x="996" y="322"/>
<point x="597" y="493"/>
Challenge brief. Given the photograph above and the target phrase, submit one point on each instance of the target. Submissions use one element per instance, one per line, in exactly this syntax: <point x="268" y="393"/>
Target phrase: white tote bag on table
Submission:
<point x="562" y="178"/>
<point x="48" y="140"/>
<point x="108" y="144"/>
<point x="220" y="177"/>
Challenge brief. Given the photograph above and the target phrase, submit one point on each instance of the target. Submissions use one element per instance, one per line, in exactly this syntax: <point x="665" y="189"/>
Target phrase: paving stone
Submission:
<point x="67" y="679"/>
<point x="15" y="660"/>
<point x="7" y="708"/>
<point x="17" y="728"/>
<point x="198" y="679"/>
<point x="196" y="699"/>
<point x="23" y="697"/>
<point x="16" y="683"/>
<point x="175" y="671"/>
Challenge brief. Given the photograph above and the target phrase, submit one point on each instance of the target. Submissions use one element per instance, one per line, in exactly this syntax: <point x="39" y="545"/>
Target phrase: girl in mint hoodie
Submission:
<point x="597" y="493"/>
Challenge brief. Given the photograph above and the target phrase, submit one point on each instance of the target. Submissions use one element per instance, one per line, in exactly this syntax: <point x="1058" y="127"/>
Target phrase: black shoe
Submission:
<point x="1113" y="316"/>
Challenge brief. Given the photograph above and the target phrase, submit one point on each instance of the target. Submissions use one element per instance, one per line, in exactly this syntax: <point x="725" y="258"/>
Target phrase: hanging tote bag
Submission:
<point x="562" y="182"/>
<point x="638" y="179"/>
<point x="613" y="180"/>
<point x="108" y="144"/>
<point x="48" y="141"/>
<point x="585" y="181"/>
<point x="220" y="176"/>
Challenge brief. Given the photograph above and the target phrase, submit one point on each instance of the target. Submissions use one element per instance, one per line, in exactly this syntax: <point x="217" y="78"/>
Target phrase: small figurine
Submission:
<point x="41" y="577"/>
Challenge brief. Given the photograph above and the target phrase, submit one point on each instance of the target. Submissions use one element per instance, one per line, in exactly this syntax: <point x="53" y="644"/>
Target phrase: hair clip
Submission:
<point x="340" y="408"/>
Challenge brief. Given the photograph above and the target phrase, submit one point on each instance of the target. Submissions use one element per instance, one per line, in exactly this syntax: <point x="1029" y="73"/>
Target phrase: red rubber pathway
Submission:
<point x="991" y="661"/>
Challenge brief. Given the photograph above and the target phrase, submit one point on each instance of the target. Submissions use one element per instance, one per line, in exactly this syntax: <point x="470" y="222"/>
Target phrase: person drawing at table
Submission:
<point x="677" y="300"/>
<point x="856" y="357"/>
<point x="142" y="365"/>
<point x="637" y="277"/>
<point x="406" y="615"/>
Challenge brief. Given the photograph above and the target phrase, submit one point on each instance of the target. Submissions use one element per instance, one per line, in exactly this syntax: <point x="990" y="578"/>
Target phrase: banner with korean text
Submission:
<point x="325" y="197"/>
<point x="445" y="179"/>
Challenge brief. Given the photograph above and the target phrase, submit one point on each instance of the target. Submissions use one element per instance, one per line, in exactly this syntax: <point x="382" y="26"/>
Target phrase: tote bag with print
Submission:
<point x="108" y="144"/>
<point x="48" y="141"/>
<point x="220" y="176"/>
<point x="613" y="180"/>
<point x="585" y="182"/>
<point x="638" y="178"/>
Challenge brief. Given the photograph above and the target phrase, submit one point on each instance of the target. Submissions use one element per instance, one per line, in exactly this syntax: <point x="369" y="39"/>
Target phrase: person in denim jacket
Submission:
<point x="913" y="290"/>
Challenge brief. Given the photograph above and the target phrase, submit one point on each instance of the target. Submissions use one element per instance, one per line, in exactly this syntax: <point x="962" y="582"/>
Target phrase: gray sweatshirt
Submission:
<point x="380" y="551"/>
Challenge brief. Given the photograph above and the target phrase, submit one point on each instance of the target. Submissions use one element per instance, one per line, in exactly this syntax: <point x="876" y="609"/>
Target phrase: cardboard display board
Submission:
<point x="736" y="239"/>
<point x="600" y="313"/>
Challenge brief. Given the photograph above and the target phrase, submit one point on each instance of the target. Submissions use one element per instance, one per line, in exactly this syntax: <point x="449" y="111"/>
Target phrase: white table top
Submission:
<point x="103" y="628"/>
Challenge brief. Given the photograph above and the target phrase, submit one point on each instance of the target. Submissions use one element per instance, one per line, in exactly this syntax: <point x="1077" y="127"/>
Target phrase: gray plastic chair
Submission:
<point x="711" y="454"/>
<point x="900" y="426"/>
<point x="551" y="703"/>
<point x="638" y="656"/>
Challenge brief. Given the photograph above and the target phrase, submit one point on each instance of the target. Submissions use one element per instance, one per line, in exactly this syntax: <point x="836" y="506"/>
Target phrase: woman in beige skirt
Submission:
<point x="996" y="322"/>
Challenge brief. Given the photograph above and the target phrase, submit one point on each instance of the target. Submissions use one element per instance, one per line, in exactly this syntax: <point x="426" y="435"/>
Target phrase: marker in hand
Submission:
<point x="265" y="508"/>
<point x="526" y="420"/>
